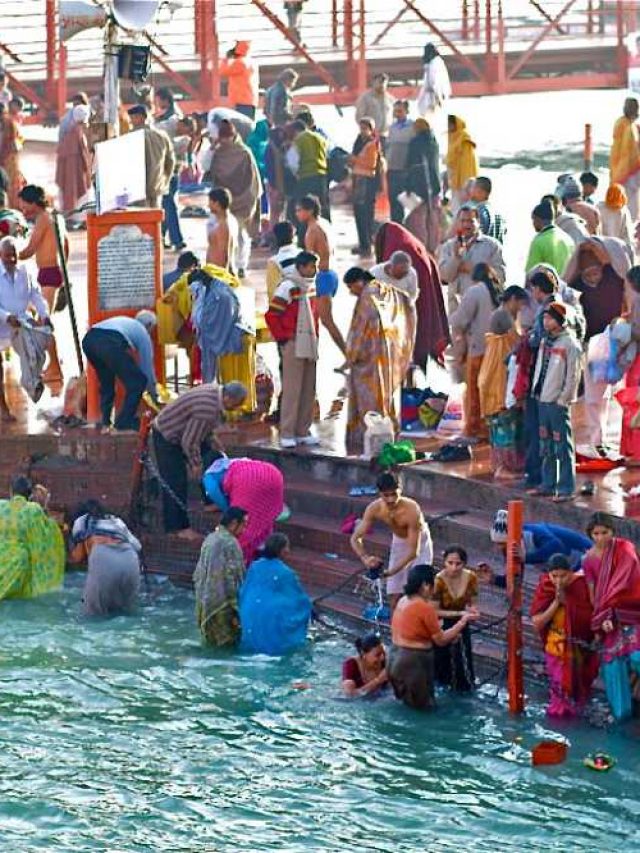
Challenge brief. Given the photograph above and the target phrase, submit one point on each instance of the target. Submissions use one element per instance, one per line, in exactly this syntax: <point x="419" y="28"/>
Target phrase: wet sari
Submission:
<point x="570" y="661"/>
<point x="615" y="580"/>
<point x="217" y="579"/>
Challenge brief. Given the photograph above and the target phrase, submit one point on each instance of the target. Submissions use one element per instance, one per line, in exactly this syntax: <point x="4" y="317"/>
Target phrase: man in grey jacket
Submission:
<point x="554" y="386"/>
<point x="460" y="254"/>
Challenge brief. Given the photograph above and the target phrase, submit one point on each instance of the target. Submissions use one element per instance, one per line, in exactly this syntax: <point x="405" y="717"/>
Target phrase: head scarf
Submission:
<point x="616" y="197"/>
<point x="429" y="53"/>
<point x="81" y="113"/>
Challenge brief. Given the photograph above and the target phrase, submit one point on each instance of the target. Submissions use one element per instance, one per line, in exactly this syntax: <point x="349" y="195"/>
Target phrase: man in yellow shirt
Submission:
<point x="624" y="163"/>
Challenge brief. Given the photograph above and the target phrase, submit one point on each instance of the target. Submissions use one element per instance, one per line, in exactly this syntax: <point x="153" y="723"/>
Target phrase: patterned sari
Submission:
<point x="33" y="556"/>
<point x="379" y="350"/>
<point x="10" y="149"/>
<point x="217" y="579"/>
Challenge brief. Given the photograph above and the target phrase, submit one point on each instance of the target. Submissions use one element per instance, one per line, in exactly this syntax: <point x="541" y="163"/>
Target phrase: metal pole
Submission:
<point x="67" y="287"/>
<point x="53" y="48"/>
<point x="334" y="23"/>
<point x="361" y="73"/>
<point x="464" y="32"/>
<point x="515" y="676"/>
<point x="588" y="147"/>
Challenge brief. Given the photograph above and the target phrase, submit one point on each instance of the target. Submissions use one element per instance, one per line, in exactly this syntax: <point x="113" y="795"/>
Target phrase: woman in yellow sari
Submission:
<point x="462" y="160"/>
<point x="505" y="425"/>
<point x="379" y="350"/>
<point x="624" y="162"/>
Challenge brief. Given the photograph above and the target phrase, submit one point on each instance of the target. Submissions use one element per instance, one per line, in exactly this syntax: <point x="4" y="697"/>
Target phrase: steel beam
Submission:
<point x="540" y="37"/>
<point x="297" y="46"/>
<point x="471" y="65"/>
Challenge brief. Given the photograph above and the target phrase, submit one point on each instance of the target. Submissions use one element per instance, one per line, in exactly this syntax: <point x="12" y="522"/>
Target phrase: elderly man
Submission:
<point x="377" y="103"/>
<point x="398" y="273"/>
<point x="461" y="253"/>
<point x="181" y="435"/>
<point x="159" y="156"/>
<point x="121" y="348"/>
<point x="18" y="293"/>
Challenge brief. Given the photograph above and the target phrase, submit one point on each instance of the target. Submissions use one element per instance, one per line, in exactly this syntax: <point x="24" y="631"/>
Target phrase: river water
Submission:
<point x="127" y="735"/>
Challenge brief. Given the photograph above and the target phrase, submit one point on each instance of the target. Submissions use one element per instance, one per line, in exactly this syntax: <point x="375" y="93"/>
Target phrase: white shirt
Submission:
<point x="17" y="294"/>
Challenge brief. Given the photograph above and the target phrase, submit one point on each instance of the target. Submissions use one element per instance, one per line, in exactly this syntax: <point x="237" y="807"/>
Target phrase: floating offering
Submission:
<point x="599" y="761"/>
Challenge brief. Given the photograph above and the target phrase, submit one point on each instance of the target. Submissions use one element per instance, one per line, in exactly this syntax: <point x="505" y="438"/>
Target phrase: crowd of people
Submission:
<point x="524" y="351"/>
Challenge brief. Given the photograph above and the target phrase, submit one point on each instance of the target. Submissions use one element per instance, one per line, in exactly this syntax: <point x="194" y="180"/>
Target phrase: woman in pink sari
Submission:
<point x="612" y="570"/>
<point x="252" y="485"/>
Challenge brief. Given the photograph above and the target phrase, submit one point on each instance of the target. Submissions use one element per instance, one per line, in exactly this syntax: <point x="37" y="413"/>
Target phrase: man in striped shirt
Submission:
<point x="181" y="434"/>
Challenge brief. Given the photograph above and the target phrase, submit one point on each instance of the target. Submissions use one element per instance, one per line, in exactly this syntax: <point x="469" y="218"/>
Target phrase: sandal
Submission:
<point x="561" y="499"/>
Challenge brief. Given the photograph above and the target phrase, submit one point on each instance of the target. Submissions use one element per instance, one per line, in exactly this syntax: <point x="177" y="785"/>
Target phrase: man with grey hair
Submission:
<point x="278" y="102"/>
<point x="182" y="434"/>
<point x="18" y="293"/>
<point x="399" y="273"/>
<point x="121" y="348"/>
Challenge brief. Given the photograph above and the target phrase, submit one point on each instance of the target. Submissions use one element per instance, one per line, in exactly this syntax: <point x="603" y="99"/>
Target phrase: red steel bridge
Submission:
<point x="490" y="46"/>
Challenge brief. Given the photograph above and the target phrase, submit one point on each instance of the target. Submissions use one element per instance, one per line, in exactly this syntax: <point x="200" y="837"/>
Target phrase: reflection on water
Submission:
<point x="128" y="735"/>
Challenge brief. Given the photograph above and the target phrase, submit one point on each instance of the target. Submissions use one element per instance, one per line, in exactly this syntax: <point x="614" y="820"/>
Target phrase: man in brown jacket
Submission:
<point x="160" y="159"/>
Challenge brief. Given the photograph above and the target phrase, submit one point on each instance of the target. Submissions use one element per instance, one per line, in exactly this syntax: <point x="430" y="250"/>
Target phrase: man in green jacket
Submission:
<point x="550" y="245"/>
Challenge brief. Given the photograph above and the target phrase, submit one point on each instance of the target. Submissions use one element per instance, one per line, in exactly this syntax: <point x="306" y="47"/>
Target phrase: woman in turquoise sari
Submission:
<point x="274" y="609"/>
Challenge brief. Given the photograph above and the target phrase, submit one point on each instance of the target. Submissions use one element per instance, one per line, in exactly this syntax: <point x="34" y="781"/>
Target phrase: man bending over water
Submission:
<point x="411" y="541"/>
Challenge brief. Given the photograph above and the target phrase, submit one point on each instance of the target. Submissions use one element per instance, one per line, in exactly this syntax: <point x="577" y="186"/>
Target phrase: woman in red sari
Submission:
<point x="433" y="327"/>
<point x="612" y="570"/>
<point x="561" y="612"/>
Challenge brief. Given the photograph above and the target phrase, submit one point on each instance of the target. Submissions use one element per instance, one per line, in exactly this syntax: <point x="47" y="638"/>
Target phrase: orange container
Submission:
<point x="549" y="752"/>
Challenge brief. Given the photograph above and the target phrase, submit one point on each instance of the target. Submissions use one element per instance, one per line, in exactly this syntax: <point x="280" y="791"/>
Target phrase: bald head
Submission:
<point x="399" y="264"/>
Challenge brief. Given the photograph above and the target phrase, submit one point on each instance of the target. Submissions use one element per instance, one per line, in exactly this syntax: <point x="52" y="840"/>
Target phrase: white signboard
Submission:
<point x="121" y="171"/>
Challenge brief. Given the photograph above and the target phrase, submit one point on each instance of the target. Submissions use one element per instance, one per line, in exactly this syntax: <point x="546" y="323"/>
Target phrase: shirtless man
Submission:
<point x="44" y="246"/>
<point x="222" y="233"/>
<point x="411" y="543"/>
<point x="318" y="240"/>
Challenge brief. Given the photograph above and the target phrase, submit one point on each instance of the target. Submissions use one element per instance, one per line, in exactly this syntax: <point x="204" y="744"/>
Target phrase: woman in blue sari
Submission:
<point x="274" y="609"/>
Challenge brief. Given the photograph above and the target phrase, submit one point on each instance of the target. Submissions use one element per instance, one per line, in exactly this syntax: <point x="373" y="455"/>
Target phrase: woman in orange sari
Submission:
<point x="379" y="349"/>
<point x="10" y="148"/>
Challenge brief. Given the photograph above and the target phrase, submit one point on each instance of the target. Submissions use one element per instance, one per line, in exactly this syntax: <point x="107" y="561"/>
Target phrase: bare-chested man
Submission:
<point x="44" y="245"/>
<point x="222" y="232"/>
<point x="411" y="543"/>
<point x="318" y="239"/>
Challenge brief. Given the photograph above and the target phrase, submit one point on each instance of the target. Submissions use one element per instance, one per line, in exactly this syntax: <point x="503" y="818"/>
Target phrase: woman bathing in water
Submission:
<point x="366" y="673"/>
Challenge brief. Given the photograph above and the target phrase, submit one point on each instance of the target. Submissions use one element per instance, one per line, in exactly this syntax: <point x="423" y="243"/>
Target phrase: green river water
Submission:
<point x="127" y="735"/>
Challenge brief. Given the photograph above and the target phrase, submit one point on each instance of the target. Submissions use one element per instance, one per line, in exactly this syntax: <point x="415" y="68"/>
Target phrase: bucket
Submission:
<point x="549" y="752"/>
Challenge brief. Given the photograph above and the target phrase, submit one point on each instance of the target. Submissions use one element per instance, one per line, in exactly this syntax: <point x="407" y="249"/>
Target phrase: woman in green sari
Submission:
<point x="217" y="578"/>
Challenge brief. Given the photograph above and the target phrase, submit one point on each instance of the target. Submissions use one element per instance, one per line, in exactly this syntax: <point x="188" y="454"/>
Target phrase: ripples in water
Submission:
<point x="127" y="735"/>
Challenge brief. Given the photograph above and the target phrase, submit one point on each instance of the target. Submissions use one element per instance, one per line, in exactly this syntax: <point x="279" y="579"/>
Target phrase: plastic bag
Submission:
<point x="598" y="356"/>
<point x="378" y="432"/>
<point x="452" y="421"/>
<point x="397" y="453"/>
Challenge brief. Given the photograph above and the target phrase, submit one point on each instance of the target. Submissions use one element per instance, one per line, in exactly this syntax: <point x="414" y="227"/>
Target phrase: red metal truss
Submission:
<point x="488" y="49"/>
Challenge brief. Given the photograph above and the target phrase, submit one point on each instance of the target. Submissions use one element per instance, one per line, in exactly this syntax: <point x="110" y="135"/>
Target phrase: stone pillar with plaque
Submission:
<point x="124" y="259"/>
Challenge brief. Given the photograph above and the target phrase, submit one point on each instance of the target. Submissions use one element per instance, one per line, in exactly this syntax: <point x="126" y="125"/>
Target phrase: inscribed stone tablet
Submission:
<point x="126" y="269"/>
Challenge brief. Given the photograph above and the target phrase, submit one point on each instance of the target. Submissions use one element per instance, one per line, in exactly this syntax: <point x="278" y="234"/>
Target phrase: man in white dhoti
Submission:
<point x="411" y="542"/>
<point x="18" y="293"/>
<point x="435" y="90"/>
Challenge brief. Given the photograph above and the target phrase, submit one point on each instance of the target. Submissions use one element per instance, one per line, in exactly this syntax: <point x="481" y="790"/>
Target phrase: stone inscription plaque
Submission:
<point x="126" y="269"/>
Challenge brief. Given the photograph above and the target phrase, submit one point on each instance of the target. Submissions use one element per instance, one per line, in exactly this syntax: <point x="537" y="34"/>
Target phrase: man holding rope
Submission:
<point x="411" y="542"/>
